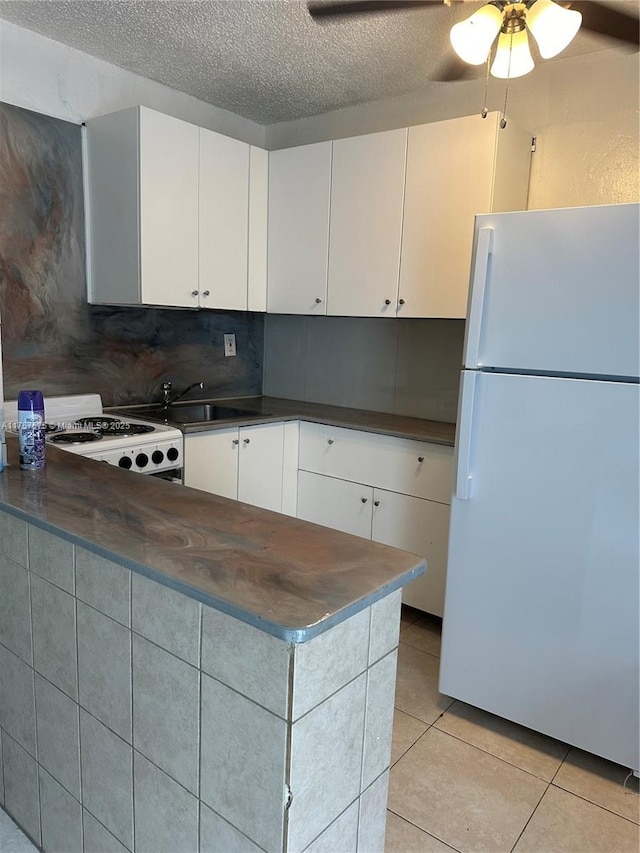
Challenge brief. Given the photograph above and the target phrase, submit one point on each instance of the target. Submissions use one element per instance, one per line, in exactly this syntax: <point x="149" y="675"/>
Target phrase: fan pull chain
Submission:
<point x="485" y="110"/>
<point x="503" y="120"/>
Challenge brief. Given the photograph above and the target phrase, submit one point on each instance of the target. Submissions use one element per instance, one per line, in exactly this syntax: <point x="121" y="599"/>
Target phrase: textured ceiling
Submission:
<point x="266" y="60"/>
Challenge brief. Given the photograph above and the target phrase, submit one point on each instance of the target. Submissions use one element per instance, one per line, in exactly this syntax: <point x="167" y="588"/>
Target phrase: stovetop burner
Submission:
<point x="75" y="437"/>
<point x="114" y="427"/>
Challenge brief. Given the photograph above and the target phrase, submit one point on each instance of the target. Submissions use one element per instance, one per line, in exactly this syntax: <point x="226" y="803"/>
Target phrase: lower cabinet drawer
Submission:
<point x="415" y="468"/>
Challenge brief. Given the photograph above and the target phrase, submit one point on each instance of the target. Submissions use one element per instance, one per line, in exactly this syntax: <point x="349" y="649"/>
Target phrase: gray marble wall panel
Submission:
<point x="405" y="367"/>
<point x="54" y="340"/>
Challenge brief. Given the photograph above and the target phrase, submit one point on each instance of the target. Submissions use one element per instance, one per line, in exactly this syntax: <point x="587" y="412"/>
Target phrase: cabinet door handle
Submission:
<point x="387" y="302"/>
<point x="194" y="292"/>
<point x="376" y="503"/>
<point x="420" y="458"/>
<point x="400" y="301"/>
<point x="235" y="441"/>
<point x="329" y="441"/>
<point x="318" y="300"/>
<point x="206" y="293"/>
<point x="246" y="440"/>
<point x="364" y="500"/>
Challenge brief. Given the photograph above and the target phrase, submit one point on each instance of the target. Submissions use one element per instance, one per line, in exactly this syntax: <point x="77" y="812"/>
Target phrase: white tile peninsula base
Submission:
<point x="133" y="717"/>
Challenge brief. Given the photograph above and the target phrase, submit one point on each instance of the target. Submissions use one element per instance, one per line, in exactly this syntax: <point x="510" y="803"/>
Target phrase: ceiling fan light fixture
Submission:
<point x="513" y="57"/>
<point x="552" y="26"/>
<point x="472" y="38"/>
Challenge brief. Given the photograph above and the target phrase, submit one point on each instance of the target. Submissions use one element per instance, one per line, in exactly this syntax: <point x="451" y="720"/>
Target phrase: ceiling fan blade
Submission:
<point x="357" y="7"/>
<point x="608" y="22"/>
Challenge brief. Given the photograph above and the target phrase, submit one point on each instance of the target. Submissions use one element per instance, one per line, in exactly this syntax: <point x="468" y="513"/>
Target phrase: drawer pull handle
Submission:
<point x="401" y="302"/>
<point x="235" y="441"/>
<point x="246" y="440"/>
<point x="387" y="302"/>
<point x="206" y="293"/>
<point x="318" y="300"/>
<point x="329" y="441"/>
<point x="364" y="500"/>
<point x="194" y="292"/>
<point x="376" y="503"/>
<point x="420" y="458"/>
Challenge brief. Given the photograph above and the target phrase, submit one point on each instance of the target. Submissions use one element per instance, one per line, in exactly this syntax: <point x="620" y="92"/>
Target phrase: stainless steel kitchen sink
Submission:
<point x="194" y="413"/>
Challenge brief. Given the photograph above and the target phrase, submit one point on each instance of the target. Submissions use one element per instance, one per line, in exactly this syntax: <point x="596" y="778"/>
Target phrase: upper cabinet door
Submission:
<point x="367" y="188"/>
<point x="299" y="186"/>
<point x="168" y="210"/>
<point x="224" y="221"/>
<point x="455" y="169"/>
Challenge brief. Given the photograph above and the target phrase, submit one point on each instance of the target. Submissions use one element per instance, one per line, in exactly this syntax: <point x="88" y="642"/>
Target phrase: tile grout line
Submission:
<point x="131" y="745"/>
<point x="426" y="832"/>
<point x="529" y="819"/>
<point x="199" y="767"/>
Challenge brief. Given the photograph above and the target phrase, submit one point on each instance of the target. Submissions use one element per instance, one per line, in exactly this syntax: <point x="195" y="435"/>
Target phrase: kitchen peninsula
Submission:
<point x="229" y="670"/>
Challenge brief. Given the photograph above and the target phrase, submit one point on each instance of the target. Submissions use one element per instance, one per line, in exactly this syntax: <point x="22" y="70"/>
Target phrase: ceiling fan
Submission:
<point x="553" y="26"/>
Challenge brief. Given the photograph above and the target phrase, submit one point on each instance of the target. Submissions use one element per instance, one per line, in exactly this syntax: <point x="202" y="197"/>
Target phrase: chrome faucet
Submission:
<point x="168" y="400"/>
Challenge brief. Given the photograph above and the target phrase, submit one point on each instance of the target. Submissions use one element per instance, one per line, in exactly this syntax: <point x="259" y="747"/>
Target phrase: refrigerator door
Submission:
<point x="556" y="291"/>
<point x="541" y="607"/>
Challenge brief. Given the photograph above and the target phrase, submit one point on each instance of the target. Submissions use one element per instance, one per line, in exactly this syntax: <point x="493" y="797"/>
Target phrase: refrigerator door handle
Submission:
<point x="484" y="247"/>
<point x="464" y="436"/>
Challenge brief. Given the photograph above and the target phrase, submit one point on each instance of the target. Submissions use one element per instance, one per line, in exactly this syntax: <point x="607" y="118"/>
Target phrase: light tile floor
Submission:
<point x="465" y="780"/>
<point x="12" y="839"/>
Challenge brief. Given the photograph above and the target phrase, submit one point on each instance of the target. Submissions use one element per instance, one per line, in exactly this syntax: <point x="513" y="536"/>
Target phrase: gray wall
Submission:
<point x="407" y="367"/>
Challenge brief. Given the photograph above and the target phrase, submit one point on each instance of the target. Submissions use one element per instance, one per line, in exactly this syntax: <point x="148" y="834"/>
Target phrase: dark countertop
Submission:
<point x="278" y="409"/>
<point x="285" y="576"/>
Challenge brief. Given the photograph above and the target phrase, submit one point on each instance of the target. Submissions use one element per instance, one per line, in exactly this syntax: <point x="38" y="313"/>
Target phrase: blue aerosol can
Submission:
<point x="31" y="430"/>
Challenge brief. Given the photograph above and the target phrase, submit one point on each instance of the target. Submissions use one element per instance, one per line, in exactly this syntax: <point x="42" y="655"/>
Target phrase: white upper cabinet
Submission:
<point x="169" y="209"/>
<point x="258" y="208"/>
<point x="223" y="221"/>
<point x="367" y="190"/>
<point x="298" y="243"/>
<point x="455" y="169"/>
<point x="142" y="206"/>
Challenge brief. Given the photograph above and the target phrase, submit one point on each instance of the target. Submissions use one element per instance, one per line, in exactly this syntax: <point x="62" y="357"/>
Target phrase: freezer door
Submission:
<point x="541" y="618"/>
<point x="556" y="291"/>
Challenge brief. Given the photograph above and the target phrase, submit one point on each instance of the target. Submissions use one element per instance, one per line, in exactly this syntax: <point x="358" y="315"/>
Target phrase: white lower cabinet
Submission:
<point x="242" y="463"/>
<point x="328" y="494"/>
<point x="422" y="527"/>
<point x="335" y="503"/>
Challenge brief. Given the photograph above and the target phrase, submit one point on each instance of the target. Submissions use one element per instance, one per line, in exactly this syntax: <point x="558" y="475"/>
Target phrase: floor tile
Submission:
<point x="406" y="731"/>
<point x="408" y="616"/>
<point x="564" y="823"/>
<point x="601" y="782"/>
<point x="529" y="750"/>
<point x="404" y="837"/>
<point x="12" y="839"/>
<point x="417" y="685"/>
<point x="461" y="795"/>
<point x="425" y="633"/>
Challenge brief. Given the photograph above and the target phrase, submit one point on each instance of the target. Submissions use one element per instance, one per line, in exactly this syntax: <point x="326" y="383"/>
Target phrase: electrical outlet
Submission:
<point x="229" y="344"/>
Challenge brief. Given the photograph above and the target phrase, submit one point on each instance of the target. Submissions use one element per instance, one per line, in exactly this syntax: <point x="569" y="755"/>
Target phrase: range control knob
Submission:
<point x="124" y="462"/>
<point x="172" y="454"/>
<point x="157" y="457"/>
<point x="142" y="460"/>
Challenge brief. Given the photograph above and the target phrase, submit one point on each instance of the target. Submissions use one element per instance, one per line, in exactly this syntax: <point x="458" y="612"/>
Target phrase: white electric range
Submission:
<point x="78" y="424"/>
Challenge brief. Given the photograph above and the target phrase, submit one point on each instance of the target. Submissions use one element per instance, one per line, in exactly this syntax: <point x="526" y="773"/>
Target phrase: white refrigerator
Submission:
<point x="541" y="617"/>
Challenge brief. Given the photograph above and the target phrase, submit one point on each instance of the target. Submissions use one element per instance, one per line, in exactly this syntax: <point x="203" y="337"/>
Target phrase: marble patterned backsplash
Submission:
<point x="52" y="338"/>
